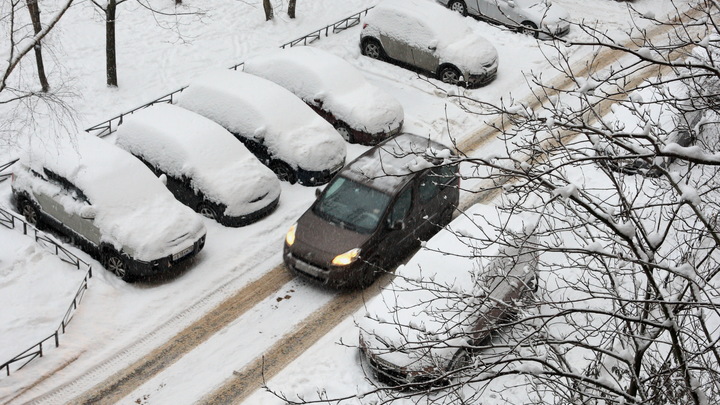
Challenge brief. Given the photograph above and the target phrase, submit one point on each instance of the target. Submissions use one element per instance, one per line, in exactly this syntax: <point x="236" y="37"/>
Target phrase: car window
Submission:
<point x="67" y="186"/>
<point x="433" y="181"/>
<point x="401" y="207"/>
<point x="352" y="205"/>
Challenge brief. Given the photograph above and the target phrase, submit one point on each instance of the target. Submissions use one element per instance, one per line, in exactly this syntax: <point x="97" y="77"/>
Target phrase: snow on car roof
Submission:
<point x="261" y="110"/>
<point x="316" y="76"/>
<point x="134" y="210"/>
<point x="424" y="23"/>
<point x="387" y="166"/>
<point x="182" y="143"/>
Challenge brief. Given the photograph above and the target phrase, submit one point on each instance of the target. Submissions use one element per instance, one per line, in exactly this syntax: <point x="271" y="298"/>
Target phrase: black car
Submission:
<point x="374" y="212"/>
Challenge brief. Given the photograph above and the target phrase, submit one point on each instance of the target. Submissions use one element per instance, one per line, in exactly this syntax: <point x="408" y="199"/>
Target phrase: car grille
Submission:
<point x="311" y="271"/>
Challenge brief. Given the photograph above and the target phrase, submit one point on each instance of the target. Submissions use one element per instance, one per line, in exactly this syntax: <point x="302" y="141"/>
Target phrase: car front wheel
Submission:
<point x="372" y="48"/>
<point x="461" y="359"/>
<point x="284" y="172"/>
<point x="344" y="131"/>
<point x="207" y="211"/>
<point x="529" y="28"/>
<point x="116" y="265"/>
<point x="450" y="75"/>
<point x="458" y="6"/>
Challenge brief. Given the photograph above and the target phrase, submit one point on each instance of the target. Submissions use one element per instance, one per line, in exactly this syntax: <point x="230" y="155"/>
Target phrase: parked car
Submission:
<point x="374" y="212"/>
<point x="359" y="111"/>
<point x="430" y="38"/>
<point x="282" y="131"/>
<point x="539" y="18"/>
<point x="108" y="203"/>
<point x="204" y="166"/>
<point x="448" y="299"/>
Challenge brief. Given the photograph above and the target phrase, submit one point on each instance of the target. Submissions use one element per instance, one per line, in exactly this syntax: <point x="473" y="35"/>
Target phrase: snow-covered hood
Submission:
<point x="134" y="211"/>
<point x="472" y="54"/>
<point x="183" y="143"/>
<point x="329" y="82"/>
<point x="263" y="111"/>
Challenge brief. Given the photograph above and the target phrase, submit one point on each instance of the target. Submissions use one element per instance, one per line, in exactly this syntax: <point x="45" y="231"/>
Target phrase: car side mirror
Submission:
<point x="397" y="225"/>
<point x="318" y="192"/>
<point x="87" y="212"/>
<point x="432" y="47"/>
<point x="511" y="4"/>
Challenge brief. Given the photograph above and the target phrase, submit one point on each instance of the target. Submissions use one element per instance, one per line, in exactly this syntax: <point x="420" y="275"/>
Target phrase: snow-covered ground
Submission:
<point x="119" y="322"/>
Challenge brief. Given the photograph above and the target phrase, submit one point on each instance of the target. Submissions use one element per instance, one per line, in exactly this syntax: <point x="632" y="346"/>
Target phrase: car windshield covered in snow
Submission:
<point x="352" y="205"/>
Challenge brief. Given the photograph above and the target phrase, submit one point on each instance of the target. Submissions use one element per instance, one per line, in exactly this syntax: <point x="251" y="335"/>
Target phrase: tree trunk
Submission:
<point x="291" y="9"/>
<point x="110" y="55"/>
<point x="178" y="2"/>
<point x="34" y="9"/>
<point x="268" y="10"/>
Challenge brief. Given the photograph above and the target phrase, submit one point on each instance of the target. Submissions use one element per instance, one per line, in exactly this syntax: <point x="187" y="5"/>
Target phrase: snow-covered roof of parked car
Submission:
<point x="319" y="77"/>
<point x="423" y="23"/>
<point x="133" y="209"/>
<point x="182" y="143"/>
<point x="387" y="166"/>
<point x="259" y="109"/>
<point x="430" y="299"/>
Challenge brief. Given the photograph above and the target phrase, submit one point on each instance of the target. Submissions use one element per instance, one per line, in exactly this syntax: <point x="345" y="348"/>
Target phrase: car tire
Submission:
<point x="449" y="75"/>
<point x="207" y="211"/>
<point x="115" y="264"/>
<point x="458" y="6"/>
<point x="344" y="131"/>
<point x="529" y="28"/>
<point x="30" y="212"/>
<point x="373" y="49"/>
<point x="284" y="172"/>
<point x="462" y="358"/>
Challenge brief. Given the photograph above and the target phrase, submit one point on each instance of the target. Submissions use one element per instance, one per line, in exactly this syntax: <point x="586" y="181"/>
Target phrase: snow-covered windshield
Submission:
<point x="352" y="205"/>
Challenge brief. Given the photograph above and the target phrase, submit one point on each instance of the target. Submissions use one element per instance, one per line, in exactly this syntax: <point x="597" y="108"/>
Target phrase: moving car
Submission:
<point x="374" y="212"/>
<point x="430" y="38"/>
<point x="282" y="131"/>
<point x="205" y="167"/>
<point x="359" y="111"/>
<point x="448" y="299"/>
<point x="109" y="203"/>
<point x="539" y="18"/>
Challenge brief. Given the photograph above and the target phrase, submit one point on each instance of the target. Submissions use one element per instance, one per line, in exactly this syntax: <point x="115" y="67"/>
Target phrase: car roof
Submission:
<point x="445" y="25"/>
<point x="390" y="165"/>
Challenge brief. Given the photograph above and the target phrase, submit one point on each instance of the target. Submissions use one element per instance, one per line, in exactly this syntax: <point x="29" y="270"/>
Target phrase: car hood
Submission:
<point x="319" y="241"/>
<point x="366" y="108"/>
<point x="473" y="54"/>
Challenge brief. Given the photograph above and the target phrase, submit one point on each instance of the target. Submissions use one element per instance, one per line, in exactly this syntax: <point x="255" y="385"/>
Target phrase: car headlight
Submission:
<point x="290" y="236"/>
<point x="347" y="257"/>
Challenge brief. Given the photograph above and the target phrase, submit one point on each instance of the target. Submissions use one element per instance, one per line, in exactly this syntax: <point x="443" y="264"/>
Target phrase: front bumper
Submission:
<point x="351" y="275"/>
<point x="142" y="269"/>
<point x="248" y="219"/>
<point x="473" y="81"/>
<point x="317" y="178"/>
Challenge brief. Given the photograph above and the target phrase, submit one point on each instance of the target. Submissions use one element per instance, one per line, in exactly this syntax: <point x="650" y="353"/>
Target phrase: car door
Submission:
<point x="435" y="200"/>
<point x="424" y="48"/>
<point x="497" y="10"/>
<point x="394" y="39"/>
<point x="399" y="224"/>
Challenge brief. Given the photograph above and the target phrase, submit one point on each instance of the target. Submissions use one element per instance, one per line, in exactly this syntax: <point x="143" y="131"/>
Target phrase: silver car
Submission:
<point x="539" y="18"/>
<point x="425" y="36"/>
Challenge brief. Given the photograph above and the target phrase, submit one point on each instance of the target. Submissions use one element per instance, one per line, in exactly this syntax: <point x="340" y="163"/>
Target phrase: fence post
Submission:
<point x="57" y="340"/>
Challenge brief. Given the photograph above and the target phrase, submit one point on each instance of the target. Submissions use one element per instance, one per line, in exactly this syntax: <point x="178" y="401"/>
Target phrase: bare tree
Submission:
<point x="619" y="164"/>
<point x="267" y="6"/>
<point x="291" y="8"/>
<point x="34" y="9"/>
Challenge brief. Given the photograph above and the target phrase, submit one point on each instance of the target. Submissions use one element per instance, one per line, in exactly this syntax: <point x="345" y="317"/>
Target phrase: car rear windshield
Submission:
<point x="352" y="205"/>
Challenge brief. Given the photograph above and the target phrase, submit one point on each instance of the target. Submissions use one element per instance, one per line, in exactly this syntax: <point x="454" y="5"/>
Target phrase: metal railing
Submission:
<point x="107" y="127"/>
<point x="12" y="221"/>
<point x="3" y="168"/>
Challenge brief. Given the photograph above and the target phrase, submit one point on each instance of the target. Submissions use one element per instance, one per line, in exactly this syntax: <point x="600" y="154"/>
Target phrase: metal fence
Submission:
<point x="4" y="173"/>
<point x="107" y="127"/>
<point x="12" y="221"/>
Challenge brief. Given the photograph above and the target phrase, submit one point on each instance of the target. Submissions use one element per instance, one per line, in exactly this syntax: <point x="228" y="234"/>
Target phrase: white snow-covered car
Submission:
<point x="430" y="38"/>
<point x="539" y="18"/>
<point x="205" y="167"/>
<point x="359" y="111"/>
<point x="108" y="203"/>
<point x="448" y="298"/>
<point x="281" y="130"/>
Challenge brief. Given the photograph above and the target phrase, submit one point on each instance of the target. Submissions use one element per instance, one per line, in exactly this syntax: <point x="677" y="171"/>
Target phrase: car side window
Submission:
<point x="401" y="207"/>
<point x="66" y="185"/>
<point x="432" y="182"/>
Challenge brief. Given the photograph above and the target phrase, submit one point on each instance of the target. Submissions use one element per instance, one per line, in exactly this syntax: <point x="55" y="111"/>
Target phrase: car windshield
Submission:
<point x="352" y="205"/>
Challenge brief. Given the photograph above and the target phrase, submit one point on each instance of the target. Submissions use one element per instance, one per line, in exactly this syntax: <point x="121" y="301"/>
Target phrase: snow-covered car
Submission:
<point x="430" y="38"/>
<point x="374" y="212"/>
<point x="359" y="111"/>
<point x="539" y="18"/>
<point x="204" y="166"/>
<point x="108" y="203"/>
<point x="448" y="298"/>
<point x="282" y="131"/>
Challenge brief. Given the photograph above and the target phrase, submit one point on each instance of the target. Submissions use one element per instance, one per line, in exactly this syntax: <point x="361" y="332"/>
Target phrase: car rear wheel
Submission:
<point x="207" y="211"/>
<point x="458" y="6"/>
<point x="372" y="48"/>
<point x="28" y="210"/>
<point x="529" y="28"/>
<point x="284" y="172"/>
<point x="344" y="131"/>
<point x="450" y="75"/>
<point x="117" y="265"/>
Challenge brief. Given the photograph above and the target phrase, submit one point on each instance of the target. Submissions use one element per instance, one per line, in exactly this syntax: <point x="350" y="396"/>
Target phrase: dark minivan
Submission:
<point x="374" y="212"/>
